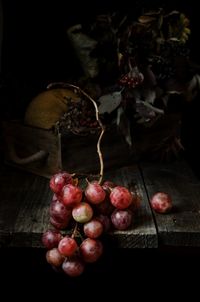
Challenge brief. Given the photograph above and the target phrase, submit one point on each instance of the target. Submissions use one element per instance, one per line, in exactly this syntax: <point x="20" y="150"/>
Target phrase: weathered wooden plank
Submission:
<point x="24" y="207"/>
<point x="33" y="217"/>
<point x="24" y="214"/>
<point x="142" y="233"/>
<point x="14" y="186"/>
<point x="181" y="227"/>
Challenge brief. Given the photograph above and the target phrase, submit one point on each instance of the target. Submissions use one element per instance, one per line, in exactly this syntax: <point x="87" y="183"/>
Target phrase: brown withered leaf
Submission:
<point x="154" y="12"/>
<point x="146" y="19"/>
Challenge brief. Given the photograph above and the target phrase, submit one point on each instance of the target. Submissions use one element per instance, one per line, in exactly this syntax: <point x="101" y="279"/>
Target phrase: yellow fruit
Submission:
<point x="48" y="107"/>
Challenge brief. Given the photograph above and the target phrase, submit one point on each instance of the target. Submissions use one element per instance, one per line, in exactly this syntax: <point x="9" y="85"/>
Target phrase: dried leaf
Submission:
<point x="153" y="12"/>
<point x="174" y="39"/>
<point x="149" y="95"/>
<point x="192" y="88"/>
<point x="146" y="19"/>
<point x="150" y="77"/>
<point x="124" y="125"/>
<point x="174" y="12"/>
<point x="160" y="21"/>
<point x="109" y="102"/>
<point x="83" y="46"/>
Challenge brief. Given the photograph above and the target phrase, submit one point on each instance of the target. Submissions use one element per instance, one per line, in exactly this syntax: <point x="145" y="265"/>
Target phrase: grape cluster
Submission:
<point x="80" y="217"/>
<point x="80" y="118"/>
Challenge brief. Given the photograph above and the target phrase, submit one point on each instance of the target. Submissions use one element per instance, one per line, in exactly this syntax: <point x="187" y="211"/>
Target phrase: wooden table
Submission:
<point x="25" y="199"/>
<point x="182" y="226"/>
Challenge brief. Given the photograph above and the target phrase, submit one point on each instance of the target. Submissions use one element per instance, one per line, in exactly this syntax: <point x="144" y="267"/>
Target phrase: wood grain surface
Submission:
<point x="181" y="227"/>
<point x="24" y="210"/>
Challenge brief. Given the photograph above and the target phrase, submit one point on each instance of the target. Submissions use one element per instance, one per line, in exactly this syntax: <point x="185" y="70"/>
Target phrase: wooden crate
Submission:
<point x="70" y="152"/>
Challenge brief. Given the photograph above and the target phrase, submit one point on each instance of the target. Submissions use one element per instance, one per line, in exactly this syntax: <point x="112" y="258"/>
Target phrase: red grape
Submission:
<point x="108" y="185"/>
<point x="54" y="257"/>
<point x="95" y="193"/>
<point x="91" y="250"/>
<point x="105" y="207"/>
<point x="82" y="212"/>
<point x="71" y="195"/>
<point x="105" y="220"/>
<point x="121" y="197"/>
<point x="59" y="211"/>
<point x="73" y="266"/>
<point x="51" y="238"/>
<point x="93" y="228"/>
<point x="161" y="202"/>
<point x="121" y="219"/>
<point x="67" y="246"/>
<point x="58" y="181"/>
<point x="59" y="225"/>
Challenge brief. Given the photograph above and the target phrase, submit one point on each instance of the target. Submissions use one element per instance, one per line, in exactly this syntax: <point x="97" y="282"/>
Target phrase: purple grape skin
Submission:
<point x="121" y="219"/>
<point x="91" y="250"/>
<point x="59" y="225"/>
<point x="94" y="193"/>
<point x="105" y="220"/>
<point x="58" y="181"/>
<point x="73" y="266"/>
<point x="51" y="238"/>
<point x="93" y="228"/>
<point x="54" y="257"/>
<point x="59" y="211"/>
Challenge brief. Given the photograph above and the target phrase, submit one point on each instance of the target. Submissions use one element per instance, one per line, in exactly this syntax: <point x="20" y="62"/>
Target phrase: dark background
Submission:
<point x="35" y="46"/>
<point x="36" y="52"/>
<point x="123" y="275"/>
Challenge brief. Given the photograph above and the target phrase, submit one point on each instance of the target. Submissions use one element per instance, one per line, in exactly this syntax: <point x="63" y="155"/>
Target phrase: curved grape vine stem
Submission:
<point x="98" y="120"/>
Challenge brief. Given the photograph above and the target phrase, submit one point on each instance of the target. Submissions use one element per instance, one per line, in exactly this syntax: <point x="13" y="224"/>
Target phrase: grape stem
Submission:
<point x="75" y="231"/>
<point x="99" y="122"/>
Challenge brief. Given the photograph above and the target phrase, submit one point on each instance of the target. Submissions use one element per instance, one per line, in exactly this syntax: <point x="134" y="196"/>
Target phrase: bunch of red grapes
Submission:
<point x="86" y="214"/>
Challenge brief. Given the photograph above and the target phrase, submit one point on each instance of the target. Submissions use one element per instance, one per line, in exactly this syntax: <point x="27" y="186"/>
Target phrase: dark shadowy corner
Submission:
<point x="118" y="273"/>
<point x="35" y="51"/>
